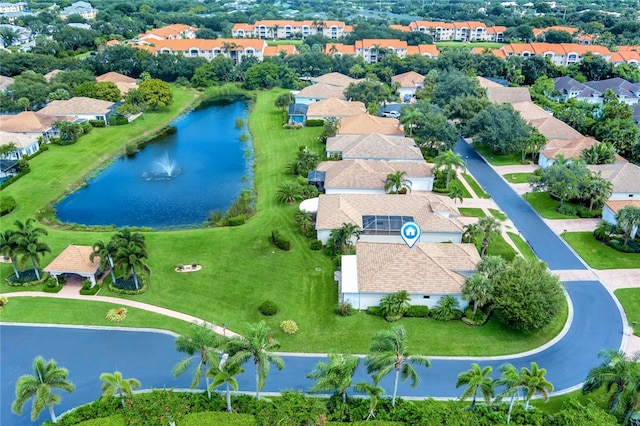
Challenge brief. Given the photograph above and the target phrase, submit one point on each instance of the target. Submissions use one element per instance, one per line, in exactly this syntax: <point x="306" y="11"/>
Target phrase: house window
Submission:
<point x="426" y="296"/>
<point x="630" y="195"/>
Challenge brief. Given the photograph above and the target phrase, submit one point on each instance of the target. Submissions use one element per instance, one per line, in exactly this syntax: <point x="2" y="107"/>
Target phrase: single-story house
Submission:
<point x="25" y="143"/>
<point x="428" y="272"/>
<point x="512" y="95"/>
<point x="335" y="79"/>
<point x="625" y="178"/>
<point x="409" y="83"/>
<point x="334" y="107"/>
<point x="380" y="216"/>
<point x="369" y="176"/>
<point x="319" y="92"/>
<point x="123" y="82"/>
<point x="75" y="260"/>
<point x="364" y="124"/>
<point x="612" y="208"/>
<point x="550" y="127"/>
<point x="81" y="107"/>
<point x="568" y="148"/>
<point x="298" y="113"/>
<point x="32" y="123"/>
<point x="373" y="146"/>
<point x="5" y="82"/>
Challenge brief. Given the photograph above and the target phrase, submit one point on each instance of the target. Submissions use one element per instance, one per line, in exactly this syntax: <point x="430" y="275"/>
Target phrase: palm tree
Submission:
<point x="492" y="265"/>
<point x="116" y="384"/>
<point x="130" y="257"/>
<point x="341" y="240"/>
<point x="598" y="191"/>
<point x="258" y="345"/>
<point x="104" y="251"/>
<point x="488" y="225"/>
<point x="124" y="236"/>
<point x="410" y="117"/>
<point x="533" y="382"/>
<point x="477" y="289"/>
<point x="389" y="351"/>
<point x="628" y="219"/>
<point x="374" y="392"/>
<point x="27" y="240"/>
<point x="471" y="231"/>
<point x="396" y="181"/>
<point x="393" y="306"/>
<point x="304" y="219"/>
<point x="477" y="379"/>
<point x="202" y="343"/>
<point x="456" y="193"/>
<point x="335" y="375"/>
<point x="39" y="386"/>
<point x="225" y="374"/>
<point x="512" y="382"/>
<point x="9" y="249"/>
<point x="448" y="162"/>
<point x="288" y="192"/>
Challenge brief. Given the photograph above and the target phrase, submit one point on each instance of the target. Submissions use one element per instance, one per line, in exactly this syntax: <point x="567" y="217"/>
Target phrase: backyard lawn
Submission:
<point x="598" y="255"/>
<point x="630" y="300"/>
<point x="546" y="206"/>
<point x="240" y="266"/>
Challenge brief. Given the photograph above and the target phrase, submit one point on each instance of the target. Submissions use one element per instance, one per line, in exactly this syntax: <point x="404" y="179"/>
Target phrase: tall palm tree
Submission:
<point x="628" y="219"/>
<point x="492" y="265"/>
<point x="449" y="161"/>
<point x="130" y="257"/>
<point x="125" y="236"/>
<point x="512" y="382"/>
<point x="470" y="231"/>
<point x="488" y="225"/>
<point x="374" y="392"/>
<point x="259" y="346"/>
<point x="116" y="384"/>
<point x="203" y="344"/>
<point x="598" y="191"/>
<point x="9" y="249"/>
<point x="477" y="379"/>
<point x="39" y="386"/>
<point x="225" y="374"/>
<point x="27" y="240"/>
<point x="396" y="181"/>
<point x="390" y="352"/>
<point x="410" y="117"/>
<point x="477" y="289"/>
<point x="335" y="375"/>
<point x="456" y="194"/>
<point x="105" y="252"/>
<point x="533" y="382"/>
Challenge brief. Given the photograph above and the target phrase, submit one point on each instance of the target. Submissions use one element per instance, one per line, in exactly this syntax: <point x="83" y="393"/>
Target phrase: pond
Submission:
<point x="173" y="182"/>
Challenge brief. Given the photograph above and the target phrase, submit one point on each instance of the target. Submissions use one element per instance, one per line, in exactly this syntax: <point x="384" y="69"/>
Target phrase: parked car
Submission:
<point x="407" y="98"/>
<point x="391" y="114"/>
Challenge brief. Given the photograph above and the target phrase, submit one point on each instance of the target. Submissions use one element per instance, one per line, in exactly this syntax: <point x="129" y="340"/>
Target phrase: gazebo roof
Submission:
<point x="74" y="260"/>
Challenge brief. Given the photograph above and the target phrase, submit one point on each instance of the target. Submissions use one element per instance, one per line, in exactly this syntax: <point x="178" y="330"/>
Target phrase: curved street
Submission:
<point x="597" y="323"/>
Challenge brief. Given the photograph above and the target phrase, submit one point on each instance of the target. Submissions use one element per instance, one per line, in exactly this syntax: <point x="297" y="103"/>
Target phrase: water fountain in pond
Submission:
<point x="165" y="169"/>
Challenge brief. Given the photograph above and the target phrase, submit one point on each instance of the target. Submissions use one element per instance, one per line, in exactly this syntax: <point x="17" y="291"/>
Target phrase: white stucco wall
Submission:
<point x="354" y="190"/>
<point x="625" y="195"/>
<point x="364" y="300"/>
<point x="608" y="215"/>
<point x="307" y="101"/>
<point x="421" y="183"/>
<point x="544" y="161"/>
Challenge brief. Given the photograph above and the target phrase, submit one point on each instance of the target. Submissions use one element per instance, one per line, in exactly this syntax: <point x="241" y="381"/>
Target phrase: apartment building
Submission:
<point x="209" y="49"/>
<point x="563" y="54"/>
<point x="458" y="31"/>
<point x="372" y="50"/>
<point x="170" y="32"/>
<point x="289" y="29"/>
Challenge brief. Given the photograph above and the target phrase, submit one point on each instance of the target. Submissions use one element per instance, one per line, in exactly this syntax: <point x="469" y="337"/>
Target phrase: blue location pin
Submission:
<point x="410" y="233"/>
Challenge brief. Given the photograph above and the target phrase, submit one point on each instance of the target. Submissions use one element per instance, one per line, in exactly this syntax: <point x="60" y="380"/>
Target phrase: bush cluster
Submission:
<point x="480" y="317"/>
<point x="117" y="314"/>
<point x="295" y="126"/>
<point x="315" y="123"/>
<point x="417" y="311"/>
<point x="97" y="123"/>
<point x="345" y="309"/>
<point x="268" y="308"/>
<point x="289" y="327"/>
<point x="7" y="204"/>
<point x="27" y="279"/>
<point x="23" y="166"/>
<point x="237" y="220"/>
<point x="3" y="302"/>
<point x="315" y="244"/>
<point x="279" y="241"/>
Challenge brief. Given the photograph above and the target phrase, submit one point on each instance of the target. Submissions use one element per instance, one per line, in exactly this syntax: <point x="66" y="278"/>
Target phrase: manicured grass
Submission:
<point x="499" y="247"/>
<point x="498" y="214"/>
<point x="465" y="45"/>
<point x="498" y="160"/>
<point x="474" y="185"/>
<point x="472" y="212"/>
<point x="280" y="42"/>
<point x="456" y="183"/>
<point x="555" y="403"/>
<point x="630" y="300"/>
<point x="523" y="246"/>
<point x="241" y="268"/>
<point x="546" y="206"/>
<point x="80" y="312"/>
<point x="599" y="255"/>
<point x="517" y="177"/>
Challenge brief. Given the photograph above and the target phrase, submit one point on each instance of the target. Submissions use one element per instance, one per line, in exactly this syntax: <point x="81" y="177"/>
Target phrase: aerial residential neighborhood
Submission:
<point x="251" y="213"/>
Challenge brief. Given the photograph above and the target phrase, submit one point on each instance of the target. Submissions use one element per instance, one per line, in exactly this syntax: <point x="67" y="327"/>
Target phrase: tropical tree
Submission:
<point x="39" y="386"/>
<point x="471" y="231"/>
<point x="288" y="192"/>
<point x="157" y="93"/>
<point x="396" y="182"/>
<point x="9" y="249"/>
<point x="105" y="251"/>
<point x="335" y="375"/>
<point x="390" y="352"/>
<point x="491" y="265"/>
<point x="203" y="344"/>
<point x="597" y="191"/>
<point x="489" y="225"/>
<point x="130" y="257"/>
<point x="447" y="309"/>
<point x="628" y="219"/>
<point x="456" y="193"/>
<point x="600" y="153"/>
<point x="409" y="118"/>
<point x="225" y="374"/>
<point x="477" y="289"/>
<point x="304" y="219"/>
<point x="448" y="162"/>
<point x="258" y="346"/>
<point x="393" y="306"/>
<point x="341" y="240"/>
<point x="511" y="381"/>
<point x="533" y="382"/>
<point x="116" y="384"/>
<point x="27" y="240"/>
<point x="284" y="100"/>
<point x="374" y="392"/>
<point x="477" y="379"/>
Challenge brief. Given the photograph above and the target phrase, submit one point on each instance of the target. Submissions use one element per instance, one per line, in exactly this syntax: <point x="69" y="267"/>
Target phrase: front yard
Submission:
<point x="598" y="255"/>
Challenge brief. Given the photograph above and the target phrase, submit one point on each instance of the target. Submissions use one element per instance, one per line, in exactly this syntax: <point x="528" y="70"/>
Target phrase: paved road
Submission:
<point x="149" y="357"/>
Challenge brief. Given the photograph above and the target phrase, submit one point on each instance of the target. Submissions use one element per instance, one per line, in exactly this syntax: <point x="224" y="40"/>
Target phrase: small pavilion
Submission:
<point x="75" y="260"/>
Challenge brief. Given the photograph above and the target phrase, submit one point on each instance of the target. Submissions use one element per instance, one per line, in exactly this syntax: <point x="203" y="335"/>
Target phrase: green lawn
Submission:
<point x="280" y="42"/>
<point x="474" y="185"/>
<point x="472" y="212"/>
<point x="545" y="205"/>
<point x="630" y="300"/>
<point x="598" y="255"/>
<point x="517" y="177"/>
<point x="241" y="268"/>
<point x="498" y="214"/>
<point x="555" y="403"/>
<point x="456" y="183"/>
<point x="523" y="246"/>
<point x="498" y="160"/>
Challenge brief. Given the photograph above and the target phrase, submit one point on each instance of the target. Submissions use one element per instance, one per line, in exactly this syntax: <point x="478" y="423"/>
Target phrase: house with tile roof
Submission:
<point x="593" y="91"/>
<point x="372" y="50"/>
<point x="540" y="33"/>
<point x="5" y="82"/>
<point x="511" y="95"/>
<point x="280" y="49"/>
<point x="24" y="143"/>
<point x="319" y="92"/>
<point x="81" y="108"/>
<point x="203" y="48"/>
<point x="428" y="272"/>
<point x="34" y="124"/>
<point x="625" y="178"/>
<point x="459" y="31"/>
<point x="567" y="148"/>
<point x="334" y="107"/>
<point x="561" y="54"/>
<point x="123" y="82"/>
<point x="289" y="29"/>
<point x="408" y="83"/>
<point x="369" y="176"/>
<point x="373" y="146"/>
<point x="611" y="209"/>
<point x="364" y="124"/>
<point x="81" y="8"/>
<point x="335" y="79"/>
<point x="75" y="260"/>
<point x="169" y="32"/>
<point x="550" y="127"/>
<point x="380" y="216"/>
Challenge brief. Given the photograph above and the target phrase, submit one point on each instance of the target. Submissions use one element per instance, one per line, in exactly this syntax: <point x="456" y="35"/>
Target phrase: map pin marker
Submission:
<point x="410" y="233"/>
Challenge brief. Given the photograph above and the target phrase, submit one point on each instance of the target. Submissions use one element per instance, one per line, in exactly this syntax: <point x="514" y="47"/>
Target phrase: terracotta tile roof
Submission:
<point x="366" y="124"/>
<point x="243" y="26"/>
<point x="112" y="43"/>
<point x="496" y="29"/>
<point x="568" y="148"/>
<point x="510" y="95"/>
<point x="288" y="49"/>
<point x="205" y="44"/>
<point x="434" y="213"/>
<point x="617" y="205"/>
<point x="625" y="177"/>
<point x="537" y="32"/>
<point x="408" y="79"/>
<point x="336" y="79"/>
<point x="334" y="107"/>
<point x="339" y="48"/>
<point x="427" y="268"/>
<point x="369" y="174"/>
<point x="27" y="122"/>
<point x="116" y="77"/>
<point x="424" y="49"/>
<point x="403" y="28"/>
<point x="74" y="259"/>
<point x="321" y="91"/>
<point x="77" y="105"/>
<point x="375" y="147"/>
<point x="20" y="140"/>
<point x="169" y="31"/>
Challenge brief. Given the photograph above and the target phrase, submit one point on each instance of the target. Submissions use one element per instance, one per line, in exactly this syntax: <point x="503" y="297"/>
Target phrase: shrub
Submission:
<point x="480" y="317"/>
<point x="97" y="123"/>
<point x="237" y="220"/>
<point x="131" y="148"/>
<point x="117" y="314"/>
<point x="618" y="245"/>
<point x="48" y="288"/>
<point x="27" y="279"/>
<point x="315" y="244"/>
<point x="345" y="309"/>
<point x="7" y="204"/>
<point x="447" y="309"/>
<point x="374" y="310"/>
<point x="279" y="241"/>
<point x="315" y="123"/>
<point x="86" y="284"/>
<point x="295" y="126"/>
<point x="268" y="308"/>
<point x="289" y="327"/>
<point x="244" y="137"/>
<point x="90" y="291"/>
<point x="3" y="302"/>
<point x="417" y="311"/>
<point x="123" y="286"/>
<point x="239" y="123"/>
<point x="567" y="210"/>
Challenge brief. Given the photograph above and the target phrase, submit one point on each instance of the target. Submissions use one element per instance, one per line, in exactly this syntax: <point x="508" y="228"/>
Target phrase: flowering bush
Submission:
<point x="3" y="302"/>
<point x="289" y="327"/>
<point x="117" y="314"/>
